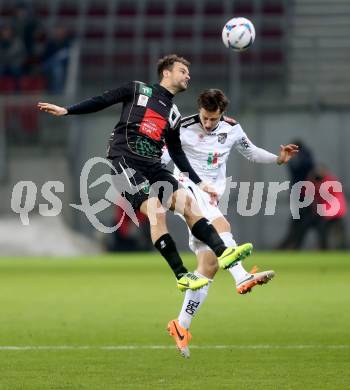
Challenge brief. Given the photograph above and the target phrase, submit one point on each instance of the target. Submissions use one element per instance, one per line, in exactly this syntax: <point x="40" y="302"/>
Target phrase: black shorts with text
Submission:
<point x="141" y="180"/>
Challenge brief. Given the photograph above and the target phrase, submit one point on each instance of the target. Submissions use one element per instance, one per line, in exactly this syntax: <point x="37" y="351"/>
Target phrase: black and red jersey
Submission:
<point x="149" y="120"/>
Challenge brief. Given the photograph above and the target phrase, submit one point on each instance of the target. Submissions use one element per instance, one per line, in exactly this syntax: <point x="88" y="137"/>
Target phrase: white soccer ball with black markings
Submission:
<point x="238" y="34"/>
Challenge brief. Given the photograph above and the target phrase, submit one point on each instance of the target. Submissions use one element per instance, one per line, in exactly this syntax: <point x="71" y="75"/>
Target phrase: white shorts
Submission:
<point x="208" y="211"/>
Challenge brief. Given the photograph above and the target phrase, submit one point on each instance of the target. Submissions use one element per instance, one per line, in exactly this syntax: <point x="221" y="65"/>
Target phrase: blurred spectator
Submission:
<point x="56" y="58"/>
<point x="12" y="53"/>
<point x="26" y="26"/>
<point x="330" y="226"/>
<point x="29" y="30"/>
<point x="299" y="168"/>
<point x="302" y="164"/>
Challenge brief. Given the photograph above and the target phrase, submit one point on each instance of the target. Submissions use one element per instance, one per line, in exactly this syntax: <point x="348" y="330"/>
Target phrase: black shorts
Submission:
<point x="140" y="180"/>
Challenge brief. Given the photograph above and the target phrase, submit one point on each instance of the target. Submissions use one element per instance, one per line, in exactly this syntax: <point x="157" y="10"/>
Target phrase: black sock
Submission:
<point x="167" y="248"/>
<point x="205" y="232"/>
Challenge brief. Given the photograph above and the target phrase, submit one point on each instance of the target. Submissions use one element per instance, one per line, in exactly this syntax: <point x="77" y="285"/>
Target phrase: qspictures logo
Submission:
<point x="250" y="198"/>
<point x="24" y="195"/>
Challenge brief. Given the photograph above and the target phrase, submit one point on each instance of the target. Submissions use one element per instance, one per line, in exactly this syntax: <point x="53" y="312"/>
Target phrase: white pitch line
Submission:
<point x="150" y="347"/>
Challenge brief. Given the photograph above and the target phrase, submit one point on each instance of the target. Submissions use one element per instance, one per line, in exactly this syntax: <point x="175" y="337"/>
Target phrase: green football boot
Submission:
<point x="190" y="281"/>
<point x="233" y="254"/>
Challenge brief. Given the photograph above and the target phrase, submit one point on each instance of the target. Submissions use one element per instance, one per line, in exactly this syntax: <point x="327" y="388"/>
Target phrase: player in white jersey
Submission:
<point x="207" y="139"/>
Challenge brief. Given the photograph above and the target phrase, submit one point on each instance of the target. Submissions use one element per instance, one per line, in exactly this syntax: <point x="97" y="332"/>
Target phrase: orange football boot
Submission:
<point x="255" y="278"/>
<point x="181" y="336"/>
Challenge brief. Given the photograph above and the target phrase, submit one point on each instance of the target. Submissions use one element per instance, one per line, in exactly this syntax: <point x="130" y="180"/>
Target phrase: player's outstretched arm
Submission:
<point x="286" y="153"/>
<point x="52" y="109"/>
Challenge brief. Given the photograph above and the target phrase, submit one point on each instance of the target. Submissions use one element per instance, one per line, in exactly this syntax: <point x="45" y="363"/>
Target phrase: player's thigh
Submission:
<point x="163" y="185"/>
<point x="205" y="209"/>
<point x="202" y="200"/>
<point x="174" y="196"/>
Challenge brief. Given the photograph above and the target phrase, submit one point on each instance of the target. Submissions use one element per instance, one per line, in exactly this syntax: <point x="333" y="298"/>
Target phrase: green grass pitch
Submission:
<point x="101" y="324"/>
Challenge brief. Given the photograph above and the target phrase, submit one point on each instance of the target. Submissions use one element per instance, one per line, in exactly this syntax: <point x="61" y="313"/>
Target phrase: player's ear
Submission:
<point x="166" y="73"/>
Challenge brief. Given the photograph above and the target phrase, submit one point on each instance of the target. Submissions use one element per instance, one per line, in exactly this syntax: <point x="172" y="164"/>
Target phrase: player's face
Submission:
<point x="179" y="76"/>
<point x="209" y="119"/>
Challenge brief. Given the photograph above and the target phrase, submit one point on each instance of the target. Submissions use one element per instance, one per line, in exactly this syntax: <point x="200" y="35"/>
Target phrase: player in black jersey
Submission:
<point x="150" y="120"/>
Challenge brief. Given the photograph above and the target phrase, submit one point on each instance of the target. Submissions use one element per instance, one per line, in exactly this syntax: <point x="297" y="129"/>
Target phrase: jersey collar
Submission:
<point x="164" y="91"/>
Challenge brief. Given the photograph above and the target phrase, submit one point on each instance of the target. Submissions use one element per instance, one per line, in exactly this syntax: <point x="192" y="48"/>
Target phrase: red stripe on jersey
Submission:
<point x="153" y="124"/>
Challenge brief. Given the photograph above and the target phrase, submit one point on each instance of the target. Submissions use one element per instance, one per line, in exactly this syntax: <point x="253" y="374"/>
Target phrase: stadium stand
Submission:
<point x="288" y="66"/>
<point x="319" y="52"/>
<point x="114" y="30"/>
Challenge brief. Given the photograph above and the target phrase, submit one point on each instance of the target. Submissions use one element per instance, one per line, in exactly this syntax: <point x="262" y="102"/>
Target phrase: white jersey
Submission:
<point x="208" y="152"/>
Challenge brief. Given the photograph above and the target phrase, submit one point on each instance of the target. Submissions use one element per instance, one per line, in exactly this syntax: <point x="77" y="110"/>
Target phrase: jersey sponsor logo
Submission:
<point x="213" y="160"/>
<point x="153" y="125"/>
<point x="222" y="138"/>
<point x="174" y="116"/>
<point x="144" y="147"/>
<point x="142" y="100"/>
<point x="244" y="142"/>
<point x="145" y="90"/>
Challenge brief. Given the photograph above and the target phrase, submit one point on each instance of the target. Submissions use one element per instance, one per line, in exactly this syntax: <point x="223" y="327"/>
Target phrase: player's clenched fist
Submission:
<point x="206" y="187"/>
<point x="52" y="109"/>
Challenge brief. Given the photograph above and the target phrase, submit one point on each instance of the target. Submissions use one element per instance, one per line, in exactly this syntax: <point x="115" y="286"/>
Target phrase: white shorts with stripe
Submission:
<point x="209" y="211"/>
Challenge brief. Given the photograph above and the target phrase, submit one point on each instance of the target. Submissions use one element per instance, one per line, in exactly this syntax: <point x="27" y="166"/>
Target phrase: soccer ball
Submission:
<point x="238" y="34"/>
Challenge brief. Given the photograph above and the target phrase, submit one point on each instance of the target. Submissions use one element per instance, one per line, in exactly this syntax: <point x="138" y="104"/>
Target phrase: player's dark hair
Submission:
<point x="212" y="99"/>
<point x="168" y="62"/>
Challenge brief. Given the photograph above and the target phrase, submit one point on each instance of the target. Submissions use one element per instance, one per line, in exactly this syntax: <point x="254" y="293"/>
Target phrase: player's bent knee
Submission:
<point x="226" y="226"/>
<point x="213" y="267"/>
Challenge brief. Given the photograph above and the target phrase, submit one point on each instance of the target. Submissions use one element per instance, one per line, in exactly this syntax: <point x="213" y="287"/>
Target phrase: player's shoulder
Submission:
<point x="142" y="87"/>
<point x="138" y="82"/>
<point x="190" y="120"/>
<point x="230" y="125"/>
<point x="229" y="120"/>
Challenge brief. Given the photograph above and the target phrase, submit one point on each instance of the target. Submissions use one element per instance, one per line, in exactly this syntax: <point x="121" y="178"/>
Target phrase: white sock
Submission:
<point x="192" y="302"/>
<point x="237" y="271"/>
